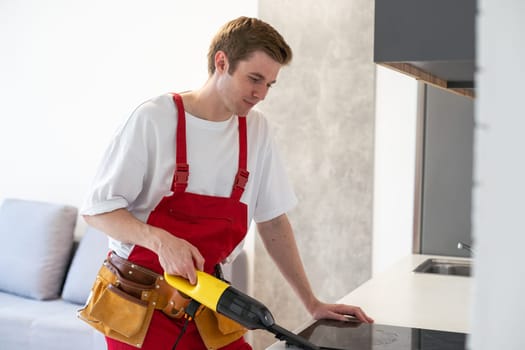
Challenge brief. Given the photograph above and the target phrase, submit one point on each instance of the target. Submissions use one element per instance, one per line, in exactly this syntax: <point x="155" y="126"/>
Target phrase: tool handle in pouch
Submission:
<point x="206" y="291"/>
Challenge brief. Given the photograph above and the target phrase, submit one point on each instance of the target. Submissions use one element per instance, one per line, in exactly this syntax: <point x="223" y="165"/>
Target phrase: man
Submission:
<point x="187" y="173"/>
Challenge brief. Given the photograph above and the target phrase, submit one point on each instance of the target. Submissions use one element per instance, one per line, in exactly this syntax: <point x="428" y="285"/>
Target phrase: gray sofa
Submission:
<point x="42" y="283"/>
<point x="46" y="276"/>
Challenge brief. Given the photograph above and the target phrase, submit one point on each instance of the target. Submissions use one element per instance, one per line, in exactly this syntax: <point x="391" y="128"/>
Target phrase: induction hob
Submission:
<point x="354" y="335"/>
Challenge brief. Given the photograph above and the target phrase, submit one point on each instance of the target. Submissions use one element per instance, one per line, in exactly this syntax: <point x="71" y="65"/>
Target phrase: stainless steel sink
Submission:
<point x="445" y="267"/>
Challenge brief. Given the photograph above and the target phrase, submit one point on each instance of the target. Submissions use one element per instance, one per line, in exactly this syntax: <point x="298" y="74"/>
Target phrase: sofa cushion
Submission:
<point x="36" y="240"/>
<point x="44" y="325"/>
<point x="90" y="254"/>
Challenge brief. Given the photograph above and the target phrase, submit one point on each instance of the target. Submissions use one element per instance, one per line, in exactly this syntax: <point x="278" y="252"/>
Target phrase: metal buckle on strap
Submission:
<point x="241" y="178"/>
<point x="181" y="173"/>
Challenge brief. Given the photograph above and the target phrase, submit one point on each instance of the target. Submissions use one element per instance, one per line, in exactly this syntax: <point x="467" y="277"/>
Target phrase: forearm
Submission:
<point x="278" y="238"/>
<point x="176" y="255"/>
<point x="123" y="226"/>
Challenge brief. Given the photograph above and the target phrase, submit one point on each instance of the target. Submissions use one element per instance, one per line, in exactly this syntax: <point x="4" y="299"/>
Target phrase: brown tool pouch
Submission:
<point x="124" y="297"/>
<point x="217" y="330"/>
<point x="119" y="308"/>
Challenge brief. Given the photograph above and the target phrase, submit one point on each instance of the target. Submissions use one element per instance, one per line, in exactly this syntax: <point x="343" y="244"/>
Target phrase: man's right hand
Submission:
<point x="179" y="257"/>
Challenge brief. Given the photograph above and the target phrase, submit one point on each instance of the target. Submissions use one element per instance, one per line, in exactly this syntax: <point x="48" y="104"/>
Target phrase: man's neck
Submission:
<point x="205" y="104"/>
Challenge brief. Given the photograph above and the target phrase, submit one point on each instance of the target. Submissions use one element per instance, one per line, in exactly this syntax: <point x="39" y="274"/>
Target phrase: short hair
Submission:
<point x="241" y="37"/>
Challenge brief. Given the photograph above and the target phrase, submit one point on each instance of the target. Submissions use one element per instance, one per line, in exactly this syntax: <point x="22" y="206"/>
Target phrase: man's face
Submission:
<point x="249" y="83"/>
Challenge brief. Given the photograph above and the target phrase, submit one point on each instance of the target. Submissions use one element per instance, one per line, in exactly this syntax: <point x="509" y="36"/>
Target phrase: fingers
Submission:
<point x="355" y="311"/>
<point x="361" y="316"/>
<point x="191" y="276"/>
<point x="181" y="258"/>
<point x="197" y="263"/>
<point x="341" y="312"/>
<point x="198" y="260"/>
<point x="338" y="317"/>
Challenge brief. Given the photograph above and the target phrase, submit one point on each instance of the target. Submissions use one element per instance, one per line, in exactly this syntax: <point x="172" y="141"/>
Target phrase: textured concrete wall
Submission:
<point x="322" y="110"/>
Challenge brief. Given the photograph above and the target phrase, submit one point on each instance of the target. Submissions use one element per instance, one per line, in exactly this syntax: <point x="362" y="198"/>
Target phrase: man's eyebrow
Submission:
<point x="260" y="76"/>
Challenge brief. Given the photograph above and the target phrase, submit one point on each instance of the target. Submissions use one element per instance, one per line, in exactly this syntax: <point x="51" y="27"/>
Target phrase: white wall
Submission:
<point x="394" y="167"/>
<point x="70" y="71"/>
<point x="499" y="306"/>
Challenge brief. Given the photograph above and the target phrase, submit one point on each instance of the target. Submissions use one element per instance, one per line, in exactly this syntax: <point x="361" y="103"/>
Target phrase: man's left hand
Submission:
<point x="339" y="312"/>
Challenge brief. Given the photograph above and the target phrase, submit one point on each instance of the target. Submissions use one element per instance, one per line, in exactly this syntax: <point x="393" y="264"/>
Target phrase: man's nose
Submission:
<point x="260" y="92"/>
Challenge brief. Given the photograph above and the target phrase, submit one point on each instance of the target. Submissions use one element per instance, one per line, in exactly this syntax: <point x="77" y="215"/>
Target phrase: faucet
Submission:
<point x="465" y="246"/>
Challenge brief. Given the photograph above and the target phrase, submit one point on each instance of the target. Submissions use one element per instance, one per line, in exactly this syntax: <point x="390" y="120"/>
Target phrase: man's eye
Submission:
<point x="255" y="80"/>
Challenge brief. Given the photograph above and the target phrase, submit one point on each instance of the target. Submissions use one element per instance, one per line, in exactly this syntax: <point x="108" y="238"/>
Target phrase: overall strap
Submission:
<point x="180" y="176"/>
<point x="242" y="173"/>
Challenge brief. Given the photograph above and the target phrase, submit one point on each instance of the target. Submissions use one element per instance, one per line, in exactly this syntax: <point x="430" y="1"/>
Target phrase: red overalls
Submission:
<point x="215" y="225"/>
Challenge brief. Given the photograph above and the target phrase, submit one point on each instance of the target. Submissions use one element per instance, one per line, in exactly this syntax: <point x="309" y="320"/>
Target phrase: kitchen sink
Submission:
<point x="445" y="267"/>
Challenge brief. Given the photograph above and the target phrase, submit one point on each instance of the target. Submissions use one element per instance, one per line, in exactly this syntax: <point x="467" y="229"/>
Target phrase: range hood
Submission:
<point x="433" y="41"/>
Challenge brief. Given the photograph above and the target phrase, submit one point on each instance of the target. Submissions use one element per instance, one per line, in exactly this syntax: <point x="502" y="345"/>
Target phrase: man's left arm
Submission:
<point x="278" y="238"/>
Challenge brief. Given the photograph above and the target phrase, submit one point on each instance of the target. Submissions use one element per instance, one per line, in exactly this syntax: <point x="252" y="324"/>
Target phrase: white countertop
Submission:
<point x="401" y="297"/>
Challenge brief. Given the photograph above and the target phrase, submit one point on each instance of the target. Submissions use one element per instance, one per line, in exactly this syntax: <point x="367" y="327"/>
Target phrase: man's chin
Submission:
<point x="244" y="111"/>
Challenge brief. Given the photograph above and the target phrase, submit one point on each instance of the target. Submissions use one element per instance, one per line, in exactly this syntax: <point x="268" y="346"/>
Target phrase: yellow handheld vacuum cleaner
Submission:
<point x="230" y="302"/>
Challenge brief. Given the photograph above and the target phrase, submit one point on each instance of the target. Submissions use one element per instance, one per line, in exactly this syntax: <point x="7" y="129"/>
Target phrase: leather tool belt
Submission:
<point x="123" y="299"/>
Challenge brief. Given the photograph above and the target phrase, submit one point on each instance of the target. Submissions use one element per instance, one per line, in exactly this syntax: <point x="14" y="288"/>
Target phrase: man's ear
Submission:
<point x="221" y="62"/>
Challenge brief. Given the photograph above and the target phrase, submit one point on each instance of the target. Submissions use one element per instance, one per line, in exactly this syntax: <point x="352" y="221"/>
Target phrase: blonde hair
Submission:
<point x="239" y="38"/>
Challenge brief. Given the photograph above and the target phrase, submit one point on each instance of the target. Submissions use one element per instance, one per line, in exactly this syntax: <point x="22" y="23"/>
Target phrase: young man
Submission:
<point x="187" y="173"/>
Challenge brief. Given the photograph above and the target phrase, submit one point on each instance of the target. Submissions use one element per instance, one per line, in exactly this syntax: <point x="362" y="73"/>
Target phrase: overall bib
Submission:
<point x="215" y="225"/>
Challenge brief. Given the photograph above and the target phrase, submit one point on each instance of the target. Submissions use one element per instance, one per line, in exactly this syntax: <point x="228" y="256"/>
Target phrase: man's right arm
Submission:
<point x="176" y="256"/>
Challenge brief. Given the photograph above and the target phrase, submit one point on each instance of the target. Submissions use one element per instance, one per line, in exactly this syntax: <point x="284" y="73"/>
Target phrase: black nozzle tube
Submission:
<point x="252" y="314"/>
<point x="291" y="338"/>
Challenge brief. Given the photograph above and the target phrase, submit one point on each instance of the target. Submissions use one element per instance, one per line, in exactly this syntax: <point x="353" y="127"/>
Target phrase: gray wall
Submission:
<point x="322" y="110"/>
<point x="447" y="174"/>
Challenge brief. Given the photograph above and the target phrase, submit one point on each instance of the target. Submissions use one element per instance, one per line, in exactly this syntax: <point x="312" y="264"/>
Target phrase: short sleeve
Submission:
<point x="276" y="195"/>
<point x="120" y="175"/>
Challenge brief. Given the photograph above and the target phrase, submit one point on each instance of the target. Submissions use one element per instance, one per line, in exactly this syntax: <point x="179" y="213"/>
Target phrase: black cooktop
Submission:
<point x="354" y="335"/>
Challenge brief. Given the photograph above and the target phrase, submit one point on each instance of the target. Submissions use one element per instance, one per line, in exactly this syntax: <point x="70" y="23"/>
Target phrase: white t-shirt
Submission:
<point x="136" y="171"/>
